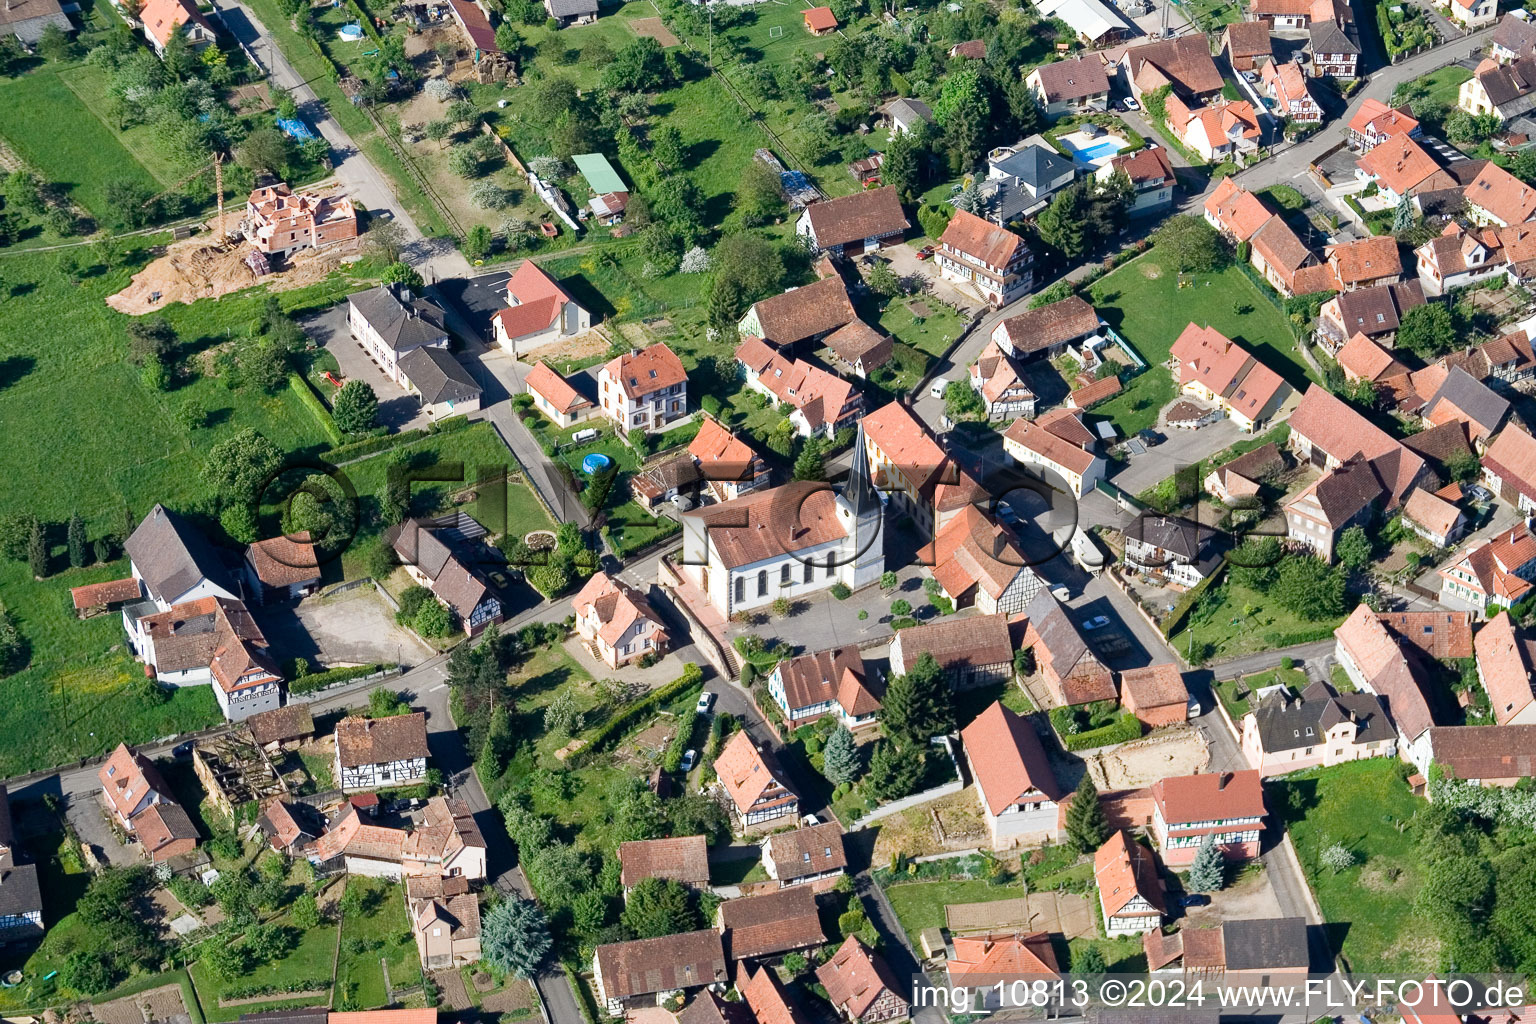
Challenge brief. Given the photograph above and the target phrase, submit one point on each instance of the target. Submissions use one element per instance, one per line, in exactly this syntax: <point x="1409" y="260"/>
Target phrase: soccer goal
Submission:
<point x="775" y="31"/>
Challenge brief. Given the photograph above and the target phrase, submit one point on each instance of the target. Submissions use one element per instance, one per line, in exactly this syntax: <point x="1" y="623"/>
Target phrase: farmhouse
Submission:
<point x="381" y="753"/>
<point x="27" y="20"/>
<point x="1399" y="167"/>
<point x="1494" y="571"/>
<point x="1375" y="123"/>
<point x="751" y="778"/>
<point x="430" y="562"/>
<point x="994" y="261"/>
<point x="1506" y="658"/>
<point x="1241" y="479"/>
<point x="1226" y="805"/>
<point x="278" y="222"/>
<point x="1485" y="755"/>
<point x="1376" y="662"/>
<point x="805" y="855"/>
<point x="860" y="347"/>
<point x="1036" y="443"/>
<point x="285" y="826"/>
<point x="980" y="961"/>
<point x="1506" y="90"/>
<point x="390" y="322"/>
<point x="860" y="985"/>
<point x="446" y="843"/>
<point x="1048" y="330"/>
<point x="174" y="562"/>
<point x="765" y="997"/>
<point x="139" y="799"/>
<point x="1171" y="548"/>
<point x="972" y="650"/>
<point x="1130" y="891"/>
<point x="1063" y="660"/>
<point x="442" y="385"/>
<point x="282" y="568"/>
<point x="684" y="859"/>
<point x="1372" y="313"/>
<point x="211" y="641"/>
<point x="1014" y="783"/>
<point x="853" y="225"/>
<point x="1247" y="44"/>
<point x="1318" y="727"/>
<point x="445" y="918"/>
<point x="1004" y="392"/>
<point x="1432" y="517"/>
<point x="1235" y="212"/>
<point x="1287" y="85"/>
<point x="833" y="682"/>
<point x="538" y="311"/>
<point x="646" y="971"/>
<point x="1461" y="398"/>
<point x="808" y="313"/>
<point x="978" y="562"/>
<point x="820" y="403"/>
<point x="1072" y="86"/>
<point x="769" y="924"/>
<point x="21" y="898"/>
<point x="1183" y="64"/>
<point x="1509" y="468"/>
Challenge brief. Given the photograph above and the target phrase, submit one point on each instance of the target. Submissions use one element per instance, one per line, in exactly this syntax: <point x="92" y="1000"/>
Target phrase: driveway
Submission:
<point x="88" y="815"/>
<point x="905" y="264"/>
<point x="356" y="627"/>
<point x="398" y="408"/>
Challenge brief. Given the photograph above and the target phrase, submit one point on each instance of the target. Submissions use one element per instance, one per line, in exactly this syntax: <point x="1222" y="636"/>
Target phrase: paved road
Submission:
<point x="365" y="184"/>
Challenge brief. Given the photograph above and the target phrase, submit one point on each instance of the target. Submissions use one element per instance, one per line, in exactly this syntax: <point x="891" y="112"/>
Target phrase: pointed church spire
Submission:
<point x="859" y="492"/>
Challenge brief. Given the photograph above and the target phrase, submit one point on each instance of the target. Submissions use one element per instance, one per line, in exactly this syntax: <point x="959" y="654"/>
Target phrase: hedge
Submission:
<point x="311" y="401"/>
<point x="320" y="680"/>
<point x="620" y="724"/>
<point x="1181" y="611"/>
<point x="373" y="445"/>
<point x="1124" y="729"/>
<point x="275" y="989"/>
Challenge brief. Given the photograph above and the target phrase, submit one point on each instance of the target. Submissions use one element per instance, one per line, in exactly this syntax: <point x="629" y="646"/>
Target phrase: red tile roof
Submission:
<point x="744" y="771"/>
<point x="651" y="369"/>
<point x="126" y="776"/>
<point x="1007" y="759"/>
<point x="1365" y="259"/>
<point x="873" y="214"/>
<point x="683" y="859"/>
<point x="1376" y="116"/>
<point x="768" y="523"/>
<point x="1154" y="686"/>
<point x="1185" y="799"/>
<point x="1378" y="655"/>
<point x="1051" y="324"/>
<point x="1399" y="163"/>
<point x="1504" y="664"/>
<point x="1123" y="869"/>
<point x="1503" y="195"/>
<point x="805" y="312"/>
<point x="1211" y="359"/>
<point x="820" y="19"/>
<point x="1049" y="446"/>
<point x="1363" y="359"/>
<point x="534" y="301"/>
<point x="969" y="234"/>
<point x="1009" y="954"/>
<point x="284" y="560"/>
<point x="96" y="595"/>
<point x="554" y="389"/>
<point x="1239" y="212"/>
<point x="855" y="978"/>
<point x="1512" y="456"/>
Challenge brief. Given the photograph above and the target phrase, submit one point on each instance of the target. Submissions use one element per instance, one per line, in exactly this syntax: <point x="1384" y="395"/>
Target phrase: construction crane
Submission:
<point x="217" y="165"/>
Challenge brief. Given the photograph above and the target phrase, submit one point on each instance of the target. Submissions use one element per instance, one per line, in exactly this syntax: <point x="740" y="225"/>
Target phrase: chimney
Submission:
<point x="1221" y="781"/>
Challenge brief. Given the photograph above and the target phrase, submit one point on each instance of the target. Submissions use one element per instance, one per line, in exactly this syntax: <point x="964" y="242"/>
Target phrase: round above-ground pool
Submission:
<point x="595" y="463"/>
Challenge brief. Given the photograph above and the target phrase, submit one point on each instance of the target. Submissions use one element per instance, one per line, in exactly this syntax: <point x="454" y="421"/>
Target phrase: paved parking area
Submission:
<point x="88" y="816"/>
<point x="904" y="264"/>
<point x="398" y="408"/>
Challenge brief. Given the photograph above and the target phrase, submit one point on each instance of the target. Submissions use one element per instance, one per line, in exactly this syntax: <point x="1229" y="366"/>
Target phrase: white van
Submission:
<point x="936" y="389"/>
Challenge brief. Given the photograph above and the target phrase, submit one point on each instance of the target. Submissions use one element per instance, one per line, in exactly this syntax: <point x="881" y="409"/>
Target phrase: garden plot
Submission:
<point x="1179" y="751"/>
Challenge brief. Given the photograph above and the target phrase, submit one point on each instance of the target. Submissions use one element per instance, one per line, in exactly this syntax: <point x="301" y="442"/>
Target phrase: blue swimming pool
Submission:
<point x="595" y="463"/>
<point x="1098" y="150"/>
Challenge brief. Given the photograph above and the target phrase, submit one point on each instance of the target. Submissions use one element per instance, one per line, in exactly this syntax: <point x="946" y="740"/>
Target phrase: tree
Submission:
<point x="758" y="197"/>
<point x="656" y="907"/>
<point x="238" y="466"/>
<point x="639" y="66"/>
<point x="1061" y="224"/>
<point x="77" y="540"/>
<point x="401" y="273"/>
<point x="1208" y="873"/>
<point x="1353" y="548"/>
<point x="508" y="39"/>
<point x="477" y="243"/>
<point x="84" y="971"/>
<point x="695" y="261"/>
<point x="385" y="240"/>
<point x="1404" y="217"/>
<point x="433" y="620"/>
<point x="917" y="705"/>
<point x="386" y="703"/>
<point x="12" y="647"/>
<point x="1464" y="468"/>
<point x="902" y="167"/>
<point x="1337" y="857"/>
<point x="1087" y="828"/>
<point x="1309" y="587"/>
<point x="668" y="148"/>
<point x="893" y="772"/>
<point x="514" y="937"/>
<point x="37" y="551"/>
<point x="677" y="201"/>
<point x="264" y="149"/>
<point x="356" y="407"/>
<point x="752" y="263"/>
<point x="463" y="161"/>
<point x="305" y="912"/>
<point x="1189" y="244"/>
<point x="809" y="464"/>
<point x="500" y="742"/>
<point x="963" y="402"/>
<point x="963" y="110"/>
<point x="54" y="45"/>
<point x="1427" y="331"/>
<point x="840" y="758"/>
<point x="882" y="280"/>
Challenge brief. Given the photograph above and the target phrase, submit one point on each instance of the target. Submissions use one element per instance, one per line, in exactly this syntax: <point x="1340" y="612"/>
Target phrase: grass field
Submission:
<point x="1143" y="301"/>
<point x="50" y="127"/>
<point x="383" y="933"/>
<point x="311" y="960"/>
<point x="1230" y="630"/>
<point x="1370" y="912"/>
<point x="1437" y="92"/>
<point x="920" y="905"/>
<point x="1237" y="707"/>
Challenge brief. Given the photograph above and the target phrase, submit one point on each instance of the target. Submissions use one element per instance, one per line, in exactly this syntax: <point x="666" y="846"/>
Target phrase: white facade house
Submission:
<point x="645" y="390"/>
<point x="538" y="312"/>
<point x="381" y="753"/>
<point x="1014" y="784"/>
<point x="390" y="322"/>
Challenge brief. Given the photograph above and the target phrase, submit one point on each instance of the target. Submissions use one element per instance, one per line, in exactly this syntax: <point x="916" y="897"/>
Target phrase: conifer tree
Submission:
<point x="1087" y="828"/>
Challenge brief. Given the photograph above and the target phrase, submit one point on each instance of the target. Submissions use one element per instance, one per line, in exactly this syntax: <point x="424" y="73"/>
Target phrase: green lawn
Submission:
<point x="62" y="878"/>
<point x="1227" y="689"/>
<point x="49" y="126"/>
<point x="1231" y="629"/>
<point x="1142" y="300"/>
<point x="310" y="961"/>
<point x="920" y="905"/>
<point x="382" y="933"/>
<point x="1440" y="91"/>
<point x="1370" y="912"/>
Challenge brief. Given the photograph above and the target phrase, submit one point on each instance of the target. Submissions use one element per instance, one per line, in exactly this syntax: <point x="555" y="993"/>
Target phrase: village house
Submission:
<point x="276" y="729"/>
<point x="1375" y="123"/>
<point x="979" y="962"/>
<point x="978" y="563"/>
<point x="1285" y="262"/>
<point x="1373" y="313"/>
<point x="1494" y="571"/>
<point x="1151" y="177"/>
<point x="1048" y="330"/>
<point x="860" y="348"/>
<point x="431" y="563"/>
<point x="1005" y="394"/>
<point x="820" y="20"/>
<point x="1432" y="517"/>
<point x="287" y="826"/>
<point x="1462" y="398"/>
<point x="445" y="844"/>
<point x="1033" y="443"/>
<point x="1014" y="782"/>
<point x="804" y="856"/>
<point x="1285" y="733"/>
<point x="807" y="313"/>
<point x="910" y="470"/>
<point x="820" y="404"/>
<point x="684" y="859"/>
<point x="1515" y="37"/>
<point x="972" y="650"/>
<point x="706" y="1007"/>
<point x="1398" y="166"/>
<point x="212" y="641"/>
<point x="833" y="682"/>
<point x="617" y="622"/>
<point x="1240" y="481"/>
<point x="1155" y="694"/>
<point x="1217" y="370"/>
<point x="853" y="225"/>
<point x="1499" y="198"/>
<point x="164" y="19"/>
<point x="1335" y="44"/>
<point x="905" y="115"/>
<point x="1362" y="359"/>
<point x="1347" y="496"/>
<point x="1327" y="432"/>
<point x="1376" y="661"/>
<point x="1183" y="63"/>
<point x="1504" y="90"/>
<point x="1228" y="806"/>
<point x="141" y="804"/>
<point x="1509" y="468"/>
<point x="555" y="398"/>
<point x="728" y="465"/>
<point x="390" y="322"/>
<point x="282" y="568"/>
<point x="1506" y="658"/>
<point x="1131" y="895"/>
<point x="1247" y="45"/>
<point x="790" y="541"/>
<point x="1473" y="14"/>
<point x="860" y="986"/>
<point x="1261" y="947"/>
<point x="1022" y="178"/>
<point x="1508" y="357"/>
<point x="644" y="390"/>
<point x="1485" y="755"/>
<point x="1287" y="86"/>
<point x="1235" y="212"/>
<point x="1458" y="257"/>
<point x="1175" y="550"/>
<point x="646" y="972"/>
<point x="538" y="312"/>
<point x="1364" y="263"/>
<point x="442" y="385"/>
<point x="1442" y="635"/>
<point x="445" y="918"/>
<point x="752" y="779"/>
<point x="1216" y="131"/>
<point x="994" y="261"/>
<point x="174" y="563"/>
<point x="570" y="12"/>
<point x="27" y="20"/>
<point x="1441" y="448"/>
<point x="765" y="997"/>
<point x="1063" y="660"/>
<point x="381" y="753"/>
<point x="1073" y="86"/>
<point x="770" y="924"/>
<point x="279" y="221"/>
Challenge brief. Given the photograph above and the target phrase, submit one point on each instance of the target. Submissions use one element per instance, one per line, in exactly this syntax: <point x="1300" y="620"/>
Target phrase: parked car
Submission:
<point x="1151" y="437"/>
<point x="1129" y="103"/>
<point x="926" y="252"/>
<point x="706" y="701"/>
<point x="689" y="757"/>
<point x="1479" y="493"/>
<point x="1097" y="622"/>
<point x="497" y="578"/>
<point x="1061" y="593"/>
<point x="936" y="389"/>
<point x="1194" y="899"/>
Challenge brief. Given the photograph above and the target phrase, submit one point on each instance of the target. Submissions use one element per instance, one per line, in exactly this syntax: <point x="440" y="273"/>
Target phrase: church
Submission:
<point x="790" y="541"/>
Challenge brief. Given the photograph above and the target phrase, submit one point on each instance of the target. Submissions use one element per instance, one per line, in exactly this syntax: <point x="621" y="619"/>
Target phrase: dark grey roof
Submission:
<point x="1056" y="631"/>
<point x="1472" y="397"/>
<point x="1508" y="82"/>
<point x="1515" y="34"/>
<point x="1178" y="536"/>
<point x="305" y="1015"/>
<point x="908" y="110"/>
<point x="570" y="8"/>
<point x="1375" y="311"/>
<point x="403" y="319"/>
<point x="1005" y="200"/>
<point x="1328" y="37"/>
<point x="172" y="556"/>
<point x="1035" y="163"/>
<point x="20" y="894"/>
<point x="7" y="833"/>
<point x="439" y="376"/>
<point x="1286" y="724"/>
<point x="860" y="490"/>
<point x="1269" y="943"/>
<point x="27" y="19"/>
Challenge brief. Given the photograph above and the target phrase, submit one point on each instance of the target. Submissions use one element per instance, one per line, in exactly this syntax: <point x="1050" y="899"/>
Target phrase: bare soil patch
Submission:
<point x="1177" y="751"/>
<point x="1150" y="271"/>
<point x="654" y="28"/>
<point x="580" y="347"/>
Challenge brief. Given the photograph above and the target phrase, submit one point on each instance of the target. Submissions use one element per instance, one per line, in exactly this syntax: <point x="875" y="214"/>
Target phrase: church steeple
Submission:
<point x="859" y="492"/>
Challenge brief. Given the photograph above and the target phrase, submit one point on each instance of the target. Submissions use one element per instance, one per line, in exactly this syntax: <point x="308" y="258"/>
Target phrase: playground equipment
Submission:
<point x="331" y="379"/>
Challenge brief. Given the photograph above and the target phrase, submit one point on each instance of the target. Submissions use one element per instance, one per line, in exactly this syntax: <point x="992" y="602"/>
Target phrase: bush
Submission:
<point x="840" y="591"/>
<point x="621" y="722"/>
<point x="1124" y="729"/>
<point x="320" y="680"/>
